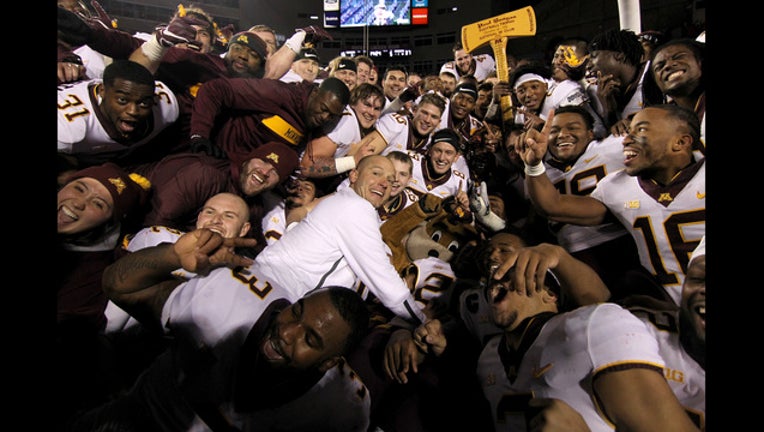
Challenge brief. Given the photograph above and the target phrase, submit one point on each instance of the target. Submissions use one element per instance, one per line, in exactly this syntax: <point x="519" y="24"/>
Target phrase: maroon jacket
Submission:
<point x="183" y="182"/>
<point x="79" y="298"/>
<point x="231" y="113"/>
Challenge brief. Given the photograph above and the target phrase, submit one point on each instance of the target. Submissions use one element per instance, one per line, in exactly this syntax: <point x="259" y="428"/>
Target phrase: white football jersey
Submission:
<point x="443" y="187"/>
<point x="484" y="66"/>
<point x="274" y="223"/>
<point x="395" y="129"/>
<point x="560" y="363"/>
<point x="598" y="160"/>
<point x="80" y="131"/>
<point x="685" y="376"/>
<point x="117" y="320"/>
<point x="667" y="222"/>
<point x="433" y="279"/>
<point x="347" y="132"/>
<point x="475" y="313"/>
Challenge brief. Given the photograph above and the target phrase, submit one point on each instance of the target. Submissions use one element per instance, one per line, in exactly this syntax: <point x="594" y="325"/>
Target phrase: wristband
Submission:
<point x="535" y="170"/>
<point x="344" y="164"/>
<point x="295" y="42"/>
<point x="153" y="50"/>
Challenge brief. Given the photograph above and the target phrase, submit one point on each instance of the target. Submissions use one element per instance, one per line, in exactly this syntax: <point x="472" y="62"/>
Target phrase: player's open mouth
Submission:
<point x="126" y="126"/>
<point x="68" y="213"/>
<point x="564" y="145"/>
<point x="257" y="178"/>
<point x="629" y="154"/>
<point x="272" y="351"/>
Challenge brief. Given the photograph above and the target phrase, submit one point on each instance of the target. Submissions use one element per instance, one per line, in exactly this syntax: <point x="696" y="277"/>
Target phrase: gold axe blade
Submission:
<point x="496" y="31"/>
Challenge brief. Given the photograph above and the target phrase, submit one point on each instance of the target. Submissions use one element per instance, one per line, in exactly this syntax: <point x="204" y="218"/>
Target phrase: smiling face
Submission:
<point x="463" y="61"/>
<point x="394" y="83"/>
<point x="568" y="136"/>
<point x="349" y="77"/>
<point x="373" y="179"/>
<point x="426" y="118"/>
<point x="647" y="147"/>
<point x="362" y="72"/>
<point x="402" y="176"/>
<point x="462" y="105"/>
<point x="324" y="108"/>
<point x="226" y="214"/>
<point x="368" y="110"/>
<point x="306" y="334"/>
<point x="243" y="61"/>
<point x="257" y="176"/>
<point x="676" y="70"/>
<point x="306" y="68"/>
<point x="441" y="156"/>
<point x="83" y="204"/>
<point x="127" y="105"/>
<point x="299" y="193"/>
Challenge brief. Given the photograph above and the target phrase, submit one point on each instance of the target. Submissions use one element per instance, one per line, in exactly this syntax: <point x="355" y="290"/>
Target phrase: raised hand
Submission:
<point x="179" y="30"/>
<point x="202" y="250"/>
<point x="532" y="144"/>
<point x="102" y="18"/>
<point x="314" y="35"/>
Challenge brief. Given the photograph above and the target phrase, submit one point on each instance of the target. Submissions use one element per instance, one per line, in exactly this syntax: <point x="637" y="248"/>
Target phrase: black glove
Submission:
<point x="72" y="29"/>
<point x="204" y="145"/>
<point x="409" y="93"/>
<point x="314" y="35"/>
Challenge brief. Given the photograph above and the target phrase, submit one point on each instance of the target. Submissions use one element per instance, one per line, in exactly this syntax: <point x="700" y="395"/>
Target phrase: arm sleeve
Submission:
<point x="361" y="243"/>
<point x="114" y="43"/>
<point x="176" y="201"/>
<point x="235" y="93"/>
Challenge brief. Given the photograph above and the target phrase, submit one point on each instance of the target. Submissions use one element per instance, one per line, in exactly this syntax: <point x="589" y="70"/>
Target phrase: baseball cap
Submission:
<point x="450" y="68"/>
<point x="128" y="191"/>
<point x="252" y="41"/>
<point x="346" y="64"/>
<point x="467" y="88"/>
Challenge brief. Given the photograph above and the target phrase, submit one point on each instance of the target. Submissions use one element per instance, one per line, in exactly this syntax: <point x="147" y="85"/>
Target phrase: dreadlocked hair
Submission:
<point x="622" y="41"/>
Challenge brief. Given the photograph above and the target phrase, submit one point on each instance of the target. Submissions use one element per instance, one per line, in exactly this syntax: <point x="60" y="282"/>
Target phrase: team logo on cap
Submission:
<point x="274" y="157"/>
<point x="118" y="183"/>
<point x="243" y="39"/>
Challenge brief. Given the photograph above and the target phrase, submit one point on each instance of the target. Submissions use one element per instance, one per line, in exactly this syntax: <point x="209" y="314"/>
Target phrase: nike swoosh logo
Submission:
<point x="538" y="372"/>
<point x="590" y="159"/>
<point x="700" y="195"/>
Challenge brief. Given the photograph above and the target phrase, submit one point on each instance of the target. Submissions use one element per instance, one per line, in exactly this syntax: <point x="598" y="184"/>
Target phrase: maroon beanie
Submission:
<point x="252" y="41"/>
<point x="281" y="156"/>
<point x="129" y="191"/>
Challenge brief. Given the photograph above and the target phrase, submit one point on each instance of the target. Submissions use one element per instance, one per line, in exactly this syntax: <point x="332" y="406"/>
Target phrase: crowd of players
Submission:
<point x="251" y="241"/>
